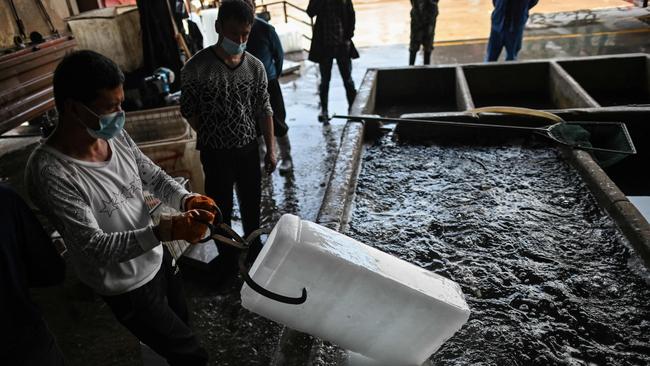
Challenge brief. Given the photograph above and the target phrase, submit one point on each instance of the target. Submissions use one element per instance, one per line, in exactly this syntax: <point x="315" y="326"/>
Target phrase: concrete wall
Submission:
<point x="566" y="92"/>
<point x="536" y="84"/>
<point x="434" y="88"/>
<point x="32" y="18"/>
<point x="612" y="81"/>
<point x="539" y="85"/>
<point x="591" y="82"/>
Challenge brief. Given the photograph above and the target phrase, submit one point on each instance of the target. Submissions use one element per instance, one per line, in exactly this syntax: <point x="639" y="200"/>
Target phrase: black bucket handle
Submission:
<point x="233" y="239"/>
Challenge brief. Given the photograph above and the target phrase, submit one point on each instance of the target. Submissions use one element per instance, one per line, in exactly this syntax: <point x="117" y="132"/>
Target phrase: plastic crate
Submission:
<point x="168" y="140"/>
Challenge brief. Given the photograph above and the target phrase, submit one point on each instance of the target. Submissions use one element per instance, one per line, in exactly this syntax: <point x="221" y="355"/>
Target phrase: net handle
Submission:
<point x="516" y="111"/>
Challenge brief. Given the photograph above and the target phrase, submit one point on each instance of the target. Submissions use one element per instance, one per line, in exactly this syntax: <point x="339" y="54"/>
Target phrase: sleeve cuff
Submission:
<point x="184" y="199"/>
<point x="146" y="238"/>
<point x="179" y="199"/>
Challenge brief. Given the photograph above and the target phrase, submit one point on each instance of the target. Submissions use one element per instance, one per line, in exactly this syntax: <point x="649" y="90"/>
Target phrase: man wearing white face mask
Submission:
<point x="224" y="96"/>
<point x="88" y="179"/>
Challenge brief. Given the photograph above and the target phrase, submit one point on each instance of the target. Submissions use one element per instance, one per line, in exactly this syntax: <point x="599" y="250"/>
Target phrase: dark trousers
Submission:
<point x="280" y="127"/>
<point x="510" y="40"/>
<point x="423" y="29"/>
<point x="344" y="63"/>
<point x="224" y="169"/>
<point x="156" y="314"/>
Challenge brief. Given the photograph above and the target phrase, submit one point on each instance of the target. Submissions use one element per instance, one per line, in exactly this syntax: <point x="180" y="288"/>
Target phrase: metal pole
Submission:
<point x="45" y="14"/>
<point x="545" y="131"/>
<point x="442" y="123"/>
<point x="19" y="22"/>
<point x="286" y="18"/>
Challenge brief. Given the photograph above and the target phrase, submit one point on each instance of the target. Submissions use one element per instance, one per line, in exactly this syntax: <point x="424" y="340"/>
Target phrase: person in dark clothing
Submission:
<point x="508" y="22"/>
<point x="224" y="97"/>
<point x="28" y="258"/>
<point x="264" y="43"/>
<point x="159" y="47"/>
<point x="332" y="39"/>
<point x="423" y="27"/>
<point x="195" y="37"/>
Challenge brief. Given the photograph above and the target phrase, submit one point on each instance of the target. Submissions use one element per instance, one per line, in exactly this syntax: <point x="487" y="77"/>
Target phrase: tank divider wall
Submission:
<point x="464" y="99"/>
<point x="566" y="91"/>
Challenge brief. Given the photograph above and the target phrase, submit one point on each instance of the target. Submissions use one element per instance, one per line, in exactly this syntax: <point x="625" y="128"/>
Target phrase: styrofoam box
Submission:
<point x="358" y="297"/>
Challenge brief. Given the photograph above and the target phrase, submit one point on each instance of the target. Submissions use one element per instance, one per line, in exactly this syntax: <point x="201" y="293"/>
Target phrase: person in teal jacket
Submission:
<point x="508" y="22"/>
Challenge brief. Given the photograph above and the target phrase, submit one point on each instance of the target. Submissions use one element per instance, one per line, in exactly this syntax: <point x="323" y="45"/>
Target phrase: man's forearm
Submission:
<point x="267" y="131"/>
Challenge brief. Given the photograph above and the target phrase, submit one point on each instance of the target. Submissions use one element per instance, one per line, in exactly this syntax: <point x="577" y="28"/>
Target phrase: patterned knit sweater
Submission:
<point x="227" y="102"/>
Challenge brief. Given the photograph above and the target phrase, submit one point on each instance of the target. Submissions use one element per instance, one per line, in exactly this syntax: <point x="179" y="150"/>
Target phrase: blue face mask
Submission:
<point x="110" y="125"/>
<point x="231" y="47"/>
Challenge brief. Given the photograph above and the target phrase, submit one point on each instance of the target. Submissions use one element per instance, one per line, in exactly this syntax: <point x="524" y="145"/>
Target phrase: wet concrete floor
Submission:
<point x="388" y="21"/>
<point x="85" y="327"/>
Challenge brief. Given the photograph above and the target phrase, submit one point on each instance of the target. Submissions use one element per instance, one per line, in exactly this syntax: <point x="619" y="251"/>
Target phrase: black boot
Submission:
<point x="285" y="165"/>
<point x="427" y="57"/>
<point x="323" y="116"/>
<point x="350" y="93"/>
<point x="412" y="58"/>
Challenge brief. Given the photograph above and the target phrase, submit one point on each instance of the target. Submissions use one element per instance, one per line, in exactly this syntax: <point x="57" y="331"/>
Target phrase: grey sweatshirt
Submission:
<point x="99" y="209"/>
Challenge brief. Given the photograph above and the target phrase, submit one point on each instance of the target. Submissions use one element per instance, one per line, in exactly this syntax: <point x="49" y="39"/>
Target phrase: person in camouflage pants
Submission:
<point x="423" y="27"/>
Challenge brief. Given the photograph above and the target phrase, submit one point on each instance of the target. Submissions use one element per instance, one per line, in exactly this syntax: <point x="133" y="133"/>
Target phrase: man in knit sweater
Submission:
<point x="88" y="179"/>
<point x="224" y="96"/>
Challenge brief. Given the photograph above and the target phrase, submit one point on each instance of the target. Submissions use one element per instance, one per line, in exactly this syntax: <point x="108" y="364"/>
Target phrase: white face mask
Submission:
<point x="232" y="48"/>
<point x="110" y="125"/>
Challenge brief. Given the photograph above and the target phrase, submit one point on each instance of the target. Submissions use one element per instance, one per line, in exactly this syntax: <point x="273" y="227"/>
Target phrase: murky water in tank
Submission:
<point x="547" y="275"/>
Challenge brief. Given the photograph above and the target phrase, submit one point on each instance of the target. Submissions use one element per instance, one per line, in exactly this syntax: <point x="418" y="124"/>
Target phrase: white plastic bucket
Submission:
<point x="358" y="297"/>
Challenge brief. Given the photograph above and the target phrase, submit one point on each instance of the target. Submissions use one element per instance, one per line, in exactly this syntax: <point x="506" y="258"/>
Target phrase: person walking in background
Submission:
<point x="423" y="27"/>
<point x="264" y="43"/>
<point x="509" y="19"/>
<point x="29" y="259"/>
<point x="224" y="97"/>
<point x="332" y="39"/>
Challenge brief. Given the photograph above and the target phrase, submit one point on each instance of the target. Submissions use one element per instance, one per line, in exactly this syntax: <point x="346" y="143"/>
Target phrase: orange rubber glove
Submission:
<point x="200" y="202"/>
<point x="185" y="226"/>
